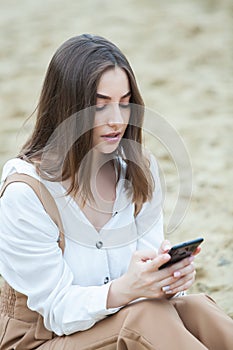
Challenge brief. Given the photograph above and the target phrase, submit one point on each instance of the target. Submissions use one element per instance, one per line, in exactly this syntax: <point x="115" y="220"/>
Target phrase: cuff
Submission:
<point x="98" y="302"/>
<point x="179" y="294"/>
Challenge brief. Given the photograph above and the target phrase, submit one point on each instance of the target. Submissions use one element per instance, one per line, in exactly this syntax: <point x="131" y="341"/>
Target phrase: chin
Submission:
<point x="107" y="149"/>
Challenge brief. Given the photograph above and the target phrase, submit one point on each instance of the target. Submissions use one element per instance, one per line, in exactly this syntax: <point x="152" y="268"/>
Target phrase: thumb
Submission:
<point x="144" y="255"/>
<point x="158" y="261"/>
<point x="165" y="247"/>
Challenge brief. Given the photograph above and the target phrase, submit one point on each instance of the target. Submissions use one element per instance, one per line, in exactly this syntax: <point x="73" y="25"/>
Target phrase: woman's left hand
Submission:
<point x="181" y="274"/>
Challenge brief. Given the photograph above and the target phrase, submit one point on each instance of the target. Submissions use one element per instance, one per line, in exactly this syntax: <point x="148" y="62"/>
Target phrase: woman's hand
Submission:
<point x="184" y="272"/>
<point x="144" y="279"/>
<point x="181" y="277"/>
<point x="141" y="280"/>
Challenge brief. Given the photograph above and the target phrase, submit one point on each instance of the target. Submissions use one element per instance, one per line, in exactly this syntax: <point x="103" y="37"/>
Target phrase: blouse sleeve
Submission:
<point x="33" y="264"/>
<point x="149" y="221"/>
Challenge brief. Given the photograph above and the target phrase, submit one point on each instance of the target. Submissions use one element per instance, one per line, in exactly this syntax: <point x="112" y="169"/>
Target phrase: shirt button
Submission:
<point x="106" y="280"/>
<point x="99" y="244"/>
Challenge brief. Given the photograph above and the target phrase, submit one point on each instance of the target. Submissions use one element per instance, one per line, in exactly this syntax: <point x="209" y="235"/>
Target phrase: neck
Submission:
<point x="100" y="161"/>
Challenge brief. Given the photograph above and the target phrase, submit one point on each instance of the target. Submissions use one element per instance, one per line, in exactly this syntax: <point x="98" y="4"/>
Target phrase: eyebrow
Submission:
<point x="109" y="98"/>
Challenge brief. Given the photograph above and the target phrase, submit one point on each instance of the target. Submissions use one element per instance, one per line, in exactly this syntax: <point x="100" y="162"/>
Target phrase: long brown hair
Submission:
<point x="69" y="89"/>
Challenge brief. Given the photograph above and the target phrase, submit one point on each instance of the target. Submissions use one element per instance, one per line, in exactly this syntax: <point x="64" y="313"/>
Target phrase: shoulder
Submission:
<point x="17" y="165"/>
<point x="21" y="207"/>
<point x="18" y="192"/>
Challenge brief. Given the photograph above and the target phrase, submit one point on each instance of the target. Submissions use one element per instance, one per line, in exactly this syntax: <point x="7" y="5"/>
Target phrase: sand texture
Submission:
<point x="181" y="52"/>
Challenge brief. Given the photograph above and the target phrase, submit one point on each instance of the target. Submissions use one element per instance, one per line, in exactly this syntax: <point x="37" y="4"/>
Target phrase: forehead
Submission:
<point x="113" y="81"/>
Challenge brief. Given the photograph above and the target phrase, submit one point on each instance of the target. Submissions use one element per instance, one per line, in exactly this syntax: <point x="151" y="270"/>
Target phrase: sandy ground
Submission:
<point x="181" y="52"/>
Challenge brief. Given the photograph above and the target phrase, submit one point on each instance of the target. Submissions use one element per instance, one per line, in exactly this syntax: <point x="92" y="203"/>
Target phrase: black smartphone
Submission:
<point x="181" y="251"/>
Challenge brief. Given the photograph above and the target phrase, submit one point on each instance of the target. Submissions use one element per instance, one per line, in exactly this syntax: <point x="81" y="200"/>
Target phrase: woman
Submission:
<point x="104" y="290"/>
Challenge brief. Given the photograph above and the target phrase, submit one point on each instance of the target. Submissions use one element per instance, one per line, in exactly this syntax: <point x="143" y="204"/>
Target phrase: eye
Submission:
<point x="124" y="105"/>
<point x="99" y="108"/>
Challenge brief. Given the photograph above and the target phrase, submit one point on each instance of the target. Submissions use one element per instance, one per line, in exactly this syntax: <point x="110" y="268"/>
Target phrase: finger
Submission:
<point x="144" y="255"/>
<point x="187" y="271"/>
<point x="165" y="247"/>
<point x="178" y="275"/>
<point x="197" y="251"/>
<point x="181" y="264"/>
<point x="184" y="270"/>
<point x="181" y="285"/>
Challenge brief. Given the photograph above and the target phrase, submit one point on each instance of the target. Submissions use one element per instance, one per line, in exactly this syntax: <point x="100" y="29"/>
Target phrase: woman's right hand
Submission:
<point x="143" y="278"/>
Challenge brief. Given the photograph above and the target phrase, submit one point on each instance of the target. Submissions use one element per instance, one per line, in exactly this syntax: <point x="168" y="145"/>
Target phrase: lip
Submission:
<point x="112" y="137"/>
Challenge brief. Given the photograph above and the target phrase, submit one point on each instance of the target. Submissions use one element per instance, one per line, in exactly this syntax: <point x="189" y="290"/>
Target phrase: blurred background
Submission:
<point x="181" y="52"/>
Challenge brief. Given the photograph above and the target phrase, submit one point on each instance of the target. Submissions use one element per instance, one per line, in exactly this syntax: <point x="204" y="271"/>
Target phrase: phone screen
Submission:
<point x="181" y="251"/>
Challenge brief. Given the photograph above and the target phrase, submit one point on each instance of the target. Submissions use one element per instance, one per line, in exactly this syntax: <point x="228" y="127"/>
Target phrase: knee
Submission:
<point x="148" y="305"/>
<point x="144" y="310"/>
<point x="198" y="299"/>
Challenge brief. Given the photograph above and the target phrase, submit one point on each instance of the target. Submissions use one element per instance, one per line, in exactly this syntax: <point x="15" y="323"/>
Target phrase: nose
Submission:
<point x="115" y="116"/>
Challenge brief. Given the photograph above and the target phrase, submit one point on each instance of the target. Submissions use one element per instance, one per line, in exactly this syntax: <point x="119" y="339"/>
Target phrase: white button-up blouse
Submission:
<point x="70" y="290"/>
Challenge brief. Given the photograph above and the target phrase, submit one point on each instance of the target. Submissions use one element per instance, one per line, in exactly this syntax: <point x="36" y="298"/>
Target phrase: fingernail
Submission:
<point x="166" y="288"/>
<point x="176" y="274"/>
<point x="165" y="256"/>
<point x="166" y="247"/>
<point x="148" y="261"/>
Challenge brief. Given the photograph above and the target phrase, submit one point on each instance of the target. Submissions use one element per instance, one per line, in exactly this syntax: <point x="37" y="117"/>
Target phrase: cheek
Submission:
<point x="125" y="125"/>
<point x="100" y="119"/>
<point x="125" y="117"/>
<point x="96" y="131"/>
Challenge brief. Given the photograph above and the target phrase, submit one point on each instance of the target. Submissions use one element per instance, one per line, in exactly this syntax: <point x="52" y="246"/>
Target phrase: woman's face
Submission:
<point x="112" y="110"/>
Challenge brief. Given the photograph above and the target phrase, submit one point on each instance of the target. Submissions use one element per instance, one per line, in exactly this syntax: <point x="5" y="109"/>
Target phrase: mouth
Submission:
<point x="112" y="137"/>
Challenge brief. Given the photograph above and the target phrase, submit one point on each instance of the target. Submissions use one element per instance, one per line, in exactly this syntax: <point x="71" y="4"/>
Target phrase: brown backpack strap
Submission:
<point x="44" y="196"/>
